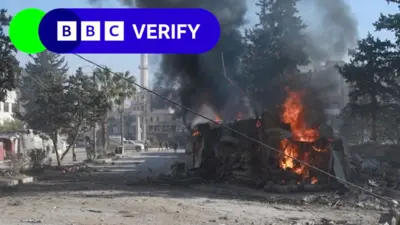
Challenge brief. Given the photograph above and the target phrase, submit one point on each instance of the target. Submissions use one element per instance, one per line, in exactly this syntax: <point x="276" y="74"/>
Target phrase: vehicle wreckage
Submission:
<point x="226" y="151"/>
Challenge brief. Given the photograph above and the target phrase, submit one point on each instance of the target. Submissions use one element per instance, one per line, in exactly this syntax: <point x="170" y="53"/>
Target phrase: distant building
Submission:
<point x="145" y="115"/>
<point x="162" y="124"/>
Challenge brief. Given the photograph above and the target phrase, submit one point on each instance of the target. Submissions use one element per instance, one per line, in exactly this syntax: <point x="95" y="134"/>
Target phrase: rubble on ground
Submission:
<point x="79" y="167"/>
<point x="226" y="156"/>
<point x="222" y="155"/>
<point x="375" y="168"/>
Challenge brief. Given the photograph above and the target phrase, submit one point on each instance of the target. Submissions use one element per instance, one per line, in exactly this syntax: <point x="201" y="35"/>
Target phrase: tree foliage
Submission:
<point x="12" y="126"/>
<point x="125" y="88"/>
<point x="372" y="79"/>
<point x="274" y="49"/>
<point x="54" y="102"/>
<point x="125" y="91"/>
<point x="86" y="105"/>
<point x="43" y="93"/>
<point x="116" y="88"/>
<point x="9" y="65"/>
<point x="373" y="75"/>
<point x="390" y="22"/>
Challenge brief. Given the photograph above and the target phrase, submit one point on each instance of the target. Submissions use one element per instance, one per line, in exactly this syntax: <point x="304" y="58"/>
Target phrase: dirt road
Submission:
<point x="126" y="192"/>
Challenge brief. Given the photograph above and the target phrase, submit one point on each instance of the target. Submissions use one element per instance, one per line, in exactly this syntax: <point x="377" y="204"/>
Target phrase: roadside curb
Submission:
<point x="102" y="161"/>
<point x="11" y="182"/>
<point x="26" y="180"/>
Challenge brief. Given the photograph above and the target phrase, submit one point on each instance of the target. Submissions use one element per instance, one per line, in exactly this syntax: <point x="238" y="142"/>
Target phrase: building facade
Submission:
<point x="160" y="124"/>
<point x="8" y="107"/>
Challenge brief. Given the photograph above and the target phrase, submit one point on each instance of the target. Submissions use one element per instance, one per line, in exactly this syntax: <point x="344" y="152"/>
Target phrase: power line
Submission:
<point x="36" y="80"/>
<point x="237" y="132"/>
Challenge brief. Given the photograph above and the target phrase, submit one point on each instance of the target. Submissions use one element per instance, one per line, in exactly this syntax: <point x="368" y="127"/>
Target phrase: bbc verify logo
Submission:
<point x="130" y="30"/>
<point x="90" y="31"/>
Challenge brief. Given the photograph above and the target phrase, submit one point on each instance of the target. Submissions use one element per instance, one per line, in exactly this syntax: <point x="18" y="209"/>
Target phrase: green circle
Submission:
<point x="24" y="31"/>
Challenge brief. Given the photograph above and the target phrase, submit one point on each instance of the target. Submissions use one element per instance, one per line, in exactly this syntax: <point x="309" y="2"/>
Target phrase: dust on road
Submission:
<point x="128" y="195"/>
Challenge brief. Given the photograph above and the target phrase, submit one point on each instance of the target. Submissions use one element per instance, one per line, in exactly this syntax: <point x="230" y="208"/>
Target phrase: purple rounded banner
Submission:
<point x="157" y="31"/>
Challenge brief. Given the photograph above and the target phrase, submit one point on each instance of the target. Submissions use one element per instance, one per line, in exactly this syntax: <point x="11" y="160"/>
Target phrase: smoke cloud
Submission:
<point x="201" y="76"/>
<point x="331" y="31"/>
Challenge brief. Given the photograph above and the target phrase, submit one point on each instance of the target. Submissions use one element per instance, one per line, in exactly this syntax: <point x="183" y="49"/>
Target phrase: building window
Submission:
<point x="157" y="119"/>
<point x="151" y="119"/>
<point x="142" y="107"/>
<point x="7" y="107"/>
<point x="14" y="107"/>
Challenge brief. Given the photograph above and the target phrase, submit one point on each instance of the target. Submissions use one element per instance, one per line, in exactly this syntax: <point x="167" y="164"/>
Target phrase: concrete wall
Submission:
<point x="31" y="141"/>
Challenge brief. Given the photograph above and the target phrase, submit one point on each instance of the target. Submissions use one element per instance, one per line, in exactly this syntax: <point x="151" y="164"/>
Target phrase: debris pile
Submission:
<point x="375" y="168"/>
<point x="80" y="167"/>
<point x="376" y="164"/>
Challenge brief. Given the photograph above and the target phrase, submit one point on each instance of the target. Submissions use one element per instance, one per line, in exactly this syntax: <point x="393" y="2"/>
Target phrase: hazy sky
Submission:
<point x="365" y="11"/>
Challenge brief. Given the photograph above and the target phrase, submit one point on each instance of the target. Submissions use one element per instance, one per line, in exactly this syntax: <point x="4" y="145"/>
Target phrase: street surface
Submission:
<point x="126" y="192"/>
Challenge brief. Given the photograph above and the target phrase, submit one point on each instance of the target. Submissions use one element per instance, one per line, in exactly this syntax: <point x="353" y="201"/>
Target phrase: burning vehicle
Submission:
<point x="221" y="153"/>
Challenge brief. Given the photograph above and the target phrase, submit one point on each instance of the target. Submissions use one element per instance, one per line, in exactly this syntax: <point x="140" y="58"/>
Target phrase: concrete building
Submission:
<point x="8" y="107"/>
<point x="161" y="123"/>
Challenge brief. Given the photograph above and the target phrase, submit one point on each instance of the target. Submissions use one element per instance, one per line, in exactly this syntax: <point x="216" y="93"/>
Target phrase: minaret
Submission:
<point x="144" y="73"/>
<point x="144" y="82"/>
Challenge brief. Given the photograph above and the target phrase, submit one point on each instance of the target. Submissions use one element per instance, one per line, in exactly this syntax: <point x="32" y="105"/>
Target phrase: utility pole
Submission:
<point x="145" y="117"/>
<point x="144" y="80"/>
<point x="121" y="120"/>
<point x="94" y="124"/>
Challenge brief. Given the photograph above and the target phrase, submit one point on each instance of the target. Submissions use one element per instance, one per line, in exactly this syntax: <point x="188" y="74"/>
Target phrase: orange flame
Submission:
<point x="294" y="115"/>
<point x="291" y="151"/>
<point x="218" y="119"/>
<point x="196" y="133"/>
<point x="314" y="180"/>
<point x="239" y="116"/>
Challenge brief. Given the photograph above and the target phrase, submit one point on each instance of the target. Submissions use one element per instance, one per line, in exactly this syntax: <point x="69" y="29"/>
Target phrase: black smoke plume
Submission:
<point x="331" y="29"/>
<point x="201" y="77"/>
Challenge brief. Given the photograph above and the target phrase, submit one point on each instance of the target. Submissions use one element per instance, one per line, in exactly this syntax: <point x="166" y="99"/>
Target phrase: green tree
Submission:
<point x="388" y="128"/>
<point x="86" y="105"/>
<point x="274" y="49"/>
<point x="12" y="126"/>
<point x="390" y="22"/>
<point x="373" y="81"/>
<point x="108" y="83"/>
<point x="353" y="126"/>
<point x="125" y="90"/>
<point x="43" y="93"/>
<point x="9" y="65"/>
